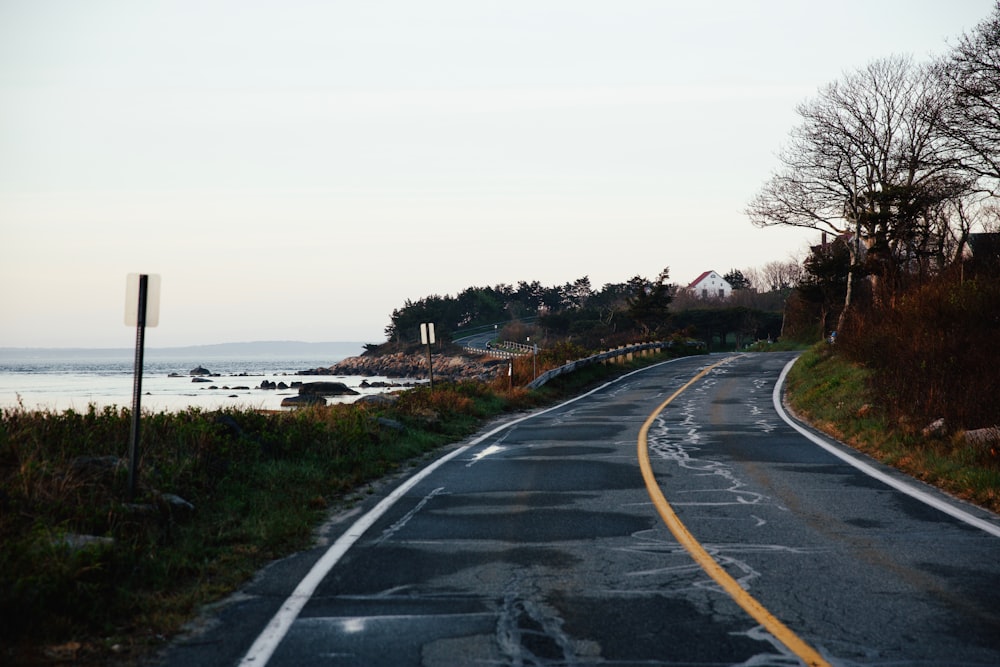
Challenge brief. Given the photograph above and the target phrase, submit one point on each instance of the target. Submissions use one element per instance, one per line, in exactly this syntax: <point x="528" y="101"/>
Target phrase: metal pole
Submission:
<point x="430" y="366"/>
<point x="140" y="335"/>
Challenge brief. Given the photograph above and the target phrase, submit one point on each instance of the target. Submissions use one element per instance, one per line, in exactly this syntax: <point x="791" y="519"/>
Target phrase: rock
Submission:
<point x="378" y="384"/>
<point x="390" y="423"/>
<point x="75" y="542"/>
<point x="451" y="367"/>
<point x="326" y="389"/>
<point x="316" y="371"/>
<point x="174" y="505"/>
<point x="200" y="379"/>
<point x="937" y="427"/>
<point x="983" y="437"/>
<point x="301" y="400"/>
<point x="95" y="466"/>
<point x="200" y="370"/>
<point x="377" y="399"/>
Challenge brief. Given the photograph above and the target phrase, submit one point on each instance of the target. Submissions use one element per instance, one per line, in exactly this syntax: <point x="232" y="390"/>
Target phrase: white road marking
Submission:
<point x="267" y="642"/>
<point x="898" y="484"/>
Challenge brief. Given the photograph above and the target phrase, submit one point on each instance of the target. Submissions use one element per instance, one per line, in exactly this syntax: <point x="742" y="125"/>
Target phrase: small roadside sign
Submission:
<point x="132" y="294"/>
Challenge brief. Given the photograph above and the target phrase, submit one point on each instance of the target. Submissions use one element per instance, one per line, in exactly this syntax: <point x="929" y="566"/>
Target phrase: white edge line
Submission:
<point x="898" y="484"/>
<point x="267" y="641"/>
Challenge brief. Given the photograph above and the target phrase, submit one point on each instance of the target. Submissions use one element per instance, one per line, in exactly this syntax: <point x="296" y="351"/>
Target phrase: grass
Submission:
<point x="777" y="346"/>
<point x="835" y="395"/>
<point x="258" y="485"/>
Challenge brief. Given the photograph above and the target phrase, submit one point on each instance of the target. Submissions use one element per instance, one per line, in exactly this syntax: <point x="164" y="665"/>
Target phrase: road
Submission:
<point x="545" y="541"/>
<point x="477" y="341"/>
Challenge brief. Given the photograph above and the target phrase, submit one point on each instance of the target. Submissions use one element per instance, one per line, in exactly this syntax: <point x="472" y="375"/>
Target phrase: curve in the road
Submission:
<point x="898" y="484"/>
<point x="267" y="642"/>
<point x="749" y="603"/>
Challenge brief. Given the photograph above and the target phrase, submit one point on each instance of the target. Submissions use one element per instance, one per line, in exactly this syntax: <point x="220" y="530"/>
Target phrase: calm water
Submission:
<point x="54" y="381"/>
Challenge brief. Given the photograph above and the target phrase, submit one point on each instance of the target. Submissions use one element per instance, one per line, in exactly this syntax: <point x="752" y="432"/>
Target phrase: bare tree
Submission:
<point x="775" y="276"/>
<point x="972" y="73"/>
<point x="867" y="161"/>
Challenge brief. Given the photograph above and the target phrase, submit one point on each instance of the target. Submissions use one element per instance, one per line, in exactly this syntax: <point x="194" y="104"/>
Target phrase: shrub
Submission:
<point x="932" y="351"/>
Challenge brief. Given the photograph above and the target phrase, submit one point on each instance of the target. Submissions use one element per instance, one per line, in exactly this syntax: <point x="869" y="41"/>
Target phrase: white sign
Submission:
<point x="152" y="299"/>
<point x="427" y="333"/>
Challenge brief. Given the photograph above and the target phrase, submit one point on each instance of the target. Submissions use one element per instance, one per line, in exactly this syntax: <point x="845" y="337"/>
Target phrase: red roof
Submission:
<point x="700" y="278"/>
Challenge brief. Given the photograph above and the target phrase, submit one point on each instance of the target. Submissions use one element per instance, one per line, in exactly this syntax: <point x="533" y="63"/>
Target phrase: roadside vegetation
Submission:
<point x="839" y="397"/>
<point x="88" y="577"/>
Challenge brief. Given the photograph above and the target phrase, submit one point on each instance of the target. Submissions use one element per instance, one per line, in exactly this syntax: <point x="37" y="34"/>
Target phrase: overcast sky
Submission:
<point x="296" y="170"/>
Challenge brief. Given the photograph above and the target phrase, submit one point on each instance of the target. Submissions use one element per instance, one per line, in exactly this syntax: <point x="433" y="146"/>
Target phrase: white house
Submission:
<point x="710" y="285"/>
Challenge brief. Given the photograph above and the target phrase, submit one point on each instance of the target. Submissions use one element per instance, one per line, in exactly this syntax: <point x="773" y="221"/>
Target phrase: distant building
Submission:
<point x="710" y="285"/>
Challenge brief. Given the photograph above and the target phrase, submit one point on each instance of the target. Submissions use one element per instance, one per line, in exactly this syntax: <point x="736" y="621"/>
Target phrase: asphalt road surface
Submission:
<point x="477" y="341"/>
<point x="544" y="541"/>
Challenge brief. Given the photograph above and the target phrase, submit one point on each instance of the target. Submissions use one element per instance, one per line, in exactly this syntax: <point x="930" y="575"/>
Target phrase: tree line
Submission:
<point x="899" y="163"/>
<point x="639" y="304"/>
<point x="618" y="313"/>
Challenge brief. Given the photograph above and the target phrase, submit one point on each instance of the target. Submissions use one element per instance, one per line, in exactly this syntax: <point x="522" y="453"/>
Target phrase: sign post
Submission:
<point x="142" y="309"/>
<point x="427" y="338"/>
<point x="534" y="354"/>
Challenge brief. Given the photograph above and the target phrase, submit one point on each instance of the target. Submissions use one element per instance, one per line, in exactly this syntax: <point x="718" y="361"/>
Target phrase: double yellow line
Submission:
<point x="749" y="604"/>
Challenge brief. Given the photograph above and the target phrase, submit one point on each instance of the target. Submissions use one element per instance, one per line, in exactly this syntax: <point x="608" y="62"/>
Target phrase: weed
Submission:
<point x="840" y="397"/>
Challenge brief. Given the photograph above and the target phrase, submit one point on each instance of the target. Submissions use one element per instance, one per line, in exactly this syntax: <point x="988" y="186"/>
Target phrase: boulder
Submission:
<point x="390" y="423"/>
<point x="378" y="399"/>
<point x="75" y="542"/>
<point x="326" y="389"/>
<point x="96" y="467"/>
<point x="302" y="400"/>
<point x="200" y="370"/>
<point x="174" y="506"/>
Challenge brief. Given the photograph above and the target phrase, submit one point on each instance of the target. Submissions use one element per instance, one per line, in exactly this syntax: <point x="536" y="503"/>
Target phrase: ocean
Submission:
<point x="64" y="379"/>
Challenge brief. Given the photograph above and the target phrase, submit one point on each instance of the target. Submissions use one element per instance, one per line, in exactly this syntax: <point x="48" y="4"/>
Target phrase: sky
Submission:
<point x="296" y="170"/>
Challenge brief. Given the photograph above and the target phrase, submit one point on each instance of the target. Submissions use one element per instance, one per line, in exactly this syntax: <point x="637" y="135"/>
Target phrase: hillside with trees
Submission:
<point x="637" y="310"/>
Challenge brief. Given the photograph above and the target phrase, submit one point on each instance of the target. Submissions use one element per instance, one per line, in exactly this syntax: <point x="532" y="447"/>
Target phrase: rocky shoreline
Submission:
<point x="401" y="365"/>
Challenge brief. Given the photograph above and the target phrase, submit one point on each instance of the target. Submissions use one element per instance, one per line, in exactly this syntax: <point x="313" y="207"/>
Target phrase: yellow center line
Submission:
<point x="749" y="604"/>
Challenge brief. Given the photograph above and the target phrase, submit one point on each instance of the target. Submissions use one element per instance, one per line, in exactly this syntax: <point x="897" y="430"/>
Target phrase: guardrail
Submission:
<point x="627" y="353"/>
<point x="503" y="349"/>
<point x="498" y="354"/>
<point x="508" y="350"/>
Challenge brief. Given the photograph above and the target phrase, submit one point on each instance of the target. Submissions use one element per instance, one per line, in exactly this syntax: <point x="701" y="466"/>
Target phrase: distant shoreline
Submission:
<point x="255" y="348"/>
